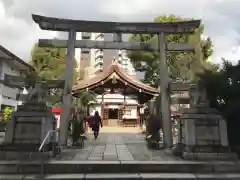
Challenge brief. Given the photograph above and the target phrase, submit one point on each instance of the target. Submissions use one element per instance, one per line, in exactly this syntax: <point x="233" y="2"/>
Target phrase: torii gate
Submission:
<point x="73" y="26"/>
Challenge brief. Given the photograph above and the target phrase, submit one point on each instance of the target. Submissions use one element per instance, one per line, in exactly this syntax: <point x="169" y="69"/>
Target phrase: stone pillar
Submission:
<point x="151" y="106"/>
<point x="222" y="131"/>
<point x="192" y="96"/>
<point x="124" y="99"/>
<point x="117" y="37"/>
<point x="102" y="107"/>
<point x="158" y="105"/>
<point x="189" y="132"/>
<point x="165" y="97"/>
<point x="67" y="91"/>
<point x="139" y="116"/>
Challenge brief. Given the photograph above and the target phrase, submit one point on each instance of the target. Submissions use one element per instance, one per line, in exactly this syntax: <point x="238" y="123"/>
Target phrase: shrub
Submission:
<point x="7" y="111"/>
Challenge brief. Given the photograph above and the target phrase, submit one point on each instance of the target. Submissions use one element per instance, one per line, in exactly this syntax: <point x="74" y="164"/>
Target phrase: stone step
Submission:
<point x="86" y="167"/>
<point x="146" y="176"/>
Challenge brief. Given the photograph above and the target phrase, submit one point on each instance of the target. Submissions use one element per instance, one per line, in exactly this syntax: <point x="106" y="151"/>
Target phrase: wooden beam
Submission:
<point x="52" y="84"/>
<point x="55" y="98"/>
<point x="179" y="47"/>
<point x="88" y="44"/>
<point x="180" y="86"/>
<point x="180" y="100"/>
<point x="19" y="81"/>
<point x="57" y="24"/>
<point x="15" y="81"/>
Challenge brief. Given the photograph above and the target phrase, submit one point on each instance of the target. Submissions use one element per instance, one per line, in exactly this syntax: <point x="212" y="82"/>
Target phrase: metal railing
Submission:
<point x="49" y="135"/>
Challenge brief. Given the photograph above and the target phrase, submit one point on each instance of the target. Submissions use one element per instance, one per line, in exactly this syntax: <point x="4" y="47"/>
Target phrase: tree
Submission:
<point x="183" y="66"/>
<point x="84" y="99"/>
<point x="7" y="111"/>
<point x="49" y="64"/>
<point x="223" y="90"/>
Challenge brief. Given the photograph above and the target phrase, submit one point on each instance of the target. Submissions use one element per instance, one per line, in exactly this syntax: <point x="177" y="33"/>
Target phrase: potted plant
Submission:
<point x="5" y="115"/>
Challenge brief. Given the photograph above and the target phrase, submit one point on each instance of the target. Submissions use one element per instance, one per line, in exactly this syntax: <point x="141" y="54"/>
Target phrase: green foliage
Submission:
<point x="7" y="112"/>
<point x="49" y="63"/>
<point x="183" y="66"/>
<point x="77" y="129"/>
<point x="223" y="89"/>
<point x="84" y="99"/>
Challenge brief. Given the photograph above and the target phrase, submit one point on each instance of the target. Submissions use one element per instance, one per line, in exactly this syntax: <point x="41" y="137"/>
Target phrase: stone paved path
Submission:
<point x="110" y="146"/>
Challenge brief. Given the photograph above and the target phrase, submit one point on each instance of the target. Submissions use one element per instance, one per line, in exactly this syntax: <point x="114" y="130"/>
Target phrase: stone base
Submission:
<point x="24" y="156"/>
<point x="178" y="150"/>
<point x="201" y="153"/>
<point x="210" y="156"/>
<point x="207" y="148"/>
<point x="24" y="147"/>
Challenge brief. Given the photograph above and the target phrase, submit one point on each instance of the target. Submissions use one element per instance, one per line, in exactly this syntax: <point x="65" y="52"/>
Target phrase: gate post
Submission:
<point x="67" y="91"/>
<point x="165" y="96"/>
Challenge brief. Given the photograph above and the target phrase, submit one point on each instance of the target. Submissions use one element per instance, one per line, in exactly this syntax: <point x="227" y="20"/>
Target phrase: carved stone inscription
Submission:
<point x="26" y="131"/>
<point x="206" y="122"/>
<point x="29" y="119"/>
<point x="206" y="133"/>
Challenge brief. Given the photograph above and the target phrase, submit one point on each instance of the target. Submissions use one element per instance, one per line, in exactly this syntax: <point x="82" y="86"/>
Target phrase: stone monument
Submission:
<point x="204" y="130"/>
<point x="30" y="124"/>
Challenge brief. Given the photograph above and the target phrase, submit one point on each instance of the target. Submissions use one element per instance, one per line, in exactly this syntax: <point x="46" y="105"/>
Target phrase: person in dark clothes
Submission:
<point x="97" y="121"/>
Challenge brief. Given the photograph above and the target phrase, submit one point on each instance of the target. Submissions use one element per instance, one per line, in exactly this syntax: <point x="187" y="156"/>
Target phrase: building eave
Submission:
<point x="59" y="24"/>
<point x="13" y="57"/>
<point x="114" y="71"/>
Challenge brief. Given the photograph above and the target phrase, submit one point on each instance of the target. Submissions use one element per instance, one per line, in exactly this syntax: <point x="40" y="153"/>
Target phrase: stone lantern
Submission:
<point x="204" y="130"/>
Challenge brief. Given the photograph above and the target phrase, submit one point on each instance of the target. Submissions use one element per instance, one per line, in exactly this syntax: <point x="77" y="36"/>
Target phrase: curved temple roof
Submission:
<point x="114" y="71"/>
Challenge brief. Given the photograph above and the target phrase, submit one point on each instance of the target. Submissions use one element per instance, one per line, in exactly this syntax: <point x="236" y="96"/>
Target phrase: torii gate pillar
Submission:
<point x="165" y="96"/>
<point x="67" y="91"/>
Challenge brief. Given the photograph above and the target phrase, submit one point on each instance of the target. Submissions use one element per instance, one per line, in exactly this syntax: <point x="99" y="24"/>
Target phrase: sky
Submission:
<point x="18" y="32"/>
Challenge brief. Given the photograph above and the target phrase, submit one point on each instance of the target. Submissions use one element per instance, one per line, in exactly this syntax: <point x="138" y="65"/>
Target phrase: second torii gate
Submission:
<point x="73" y="26"/>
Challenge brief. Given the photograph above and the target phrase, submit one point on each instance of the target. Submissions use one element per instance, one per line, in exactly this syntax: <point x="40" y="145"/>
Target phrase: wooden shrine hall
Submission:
<point x="120" y="95"/>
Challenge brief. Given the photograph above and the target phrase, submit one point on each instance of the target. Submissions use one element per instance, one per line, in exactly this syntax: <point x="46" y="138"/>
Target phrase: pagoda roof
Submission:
<point x="114" y="71"/>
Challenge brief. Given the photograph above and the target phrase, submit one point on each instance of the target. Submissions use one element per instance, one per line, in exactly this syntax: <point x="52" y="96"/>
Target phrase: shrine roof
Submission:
<point x="114" y="71"/>
<point x="13" y="60"/>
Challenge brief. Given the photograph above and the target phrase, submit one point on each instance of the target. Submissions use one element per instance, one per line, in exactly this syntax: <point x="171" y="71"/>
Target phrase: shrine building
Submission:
<point x="119" y="95"/>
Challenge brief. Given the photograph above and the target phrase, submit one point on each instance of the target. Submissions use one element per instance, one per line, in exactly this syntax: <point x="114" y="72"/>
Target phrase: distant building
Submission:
<point x="12" y="65"/>
<point x="93" y="61"/>
<point x="83" y="56"/>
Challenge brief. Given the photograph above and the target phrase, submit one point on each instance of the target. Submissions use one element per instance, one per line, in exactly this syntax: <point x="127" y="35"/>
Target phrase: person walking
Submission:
<point x="97" y="121"/>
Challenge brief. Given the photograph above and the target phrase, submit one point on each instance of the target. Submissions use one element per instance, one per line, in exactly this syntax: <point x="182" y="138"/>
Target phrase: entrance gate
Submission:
<point x="73" y="26"/>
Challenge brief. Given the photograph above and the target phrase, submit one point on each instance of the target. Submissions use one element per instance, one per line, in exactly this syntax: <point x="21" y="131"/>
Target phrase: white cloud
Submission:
<point x="19" y="36"/>
<point x="220" y="17"/>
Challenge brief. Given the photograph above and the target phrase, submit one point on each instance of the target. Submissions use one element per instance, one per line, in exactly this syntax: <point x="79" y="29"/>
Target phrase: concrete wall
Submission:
<point x="7" y="94"/>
